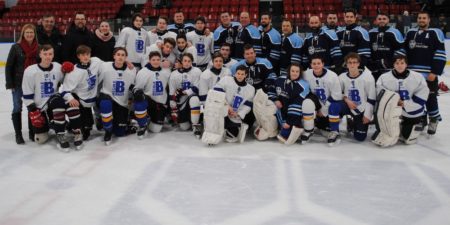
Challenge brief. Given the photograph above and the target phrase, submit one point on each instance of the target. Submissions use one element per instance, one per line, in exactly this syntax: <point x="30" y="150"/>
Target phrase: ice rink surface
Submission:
<point x="172" y="178"/>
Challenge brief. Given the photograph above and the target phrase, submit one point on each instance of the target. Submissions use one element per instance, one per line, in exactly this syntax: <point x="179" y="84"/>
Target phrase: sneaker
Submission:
<point x="78" y="139"/>
<point x="432" y="126"/>
<point x="141" y="132"/>
<point x="305" y="137"/>
<point x="107" y="137"/>
<point x="63" y="144"/>
<point x="197" y="130"/>
<point x="334" y="138"/>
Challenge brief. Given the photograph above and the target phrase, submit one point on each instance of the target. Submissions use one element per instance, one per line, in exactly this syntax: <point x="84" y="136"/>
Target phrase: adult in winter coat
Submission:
<point x="103" y="43"/>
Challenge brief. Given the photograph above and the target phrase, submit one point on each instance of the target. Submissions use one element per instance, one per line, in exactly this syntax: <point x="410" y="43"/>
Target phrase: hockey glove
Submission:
<point x="67" y="67"/>
<point x="138" y="95"/>
<point x="36" y="118"/>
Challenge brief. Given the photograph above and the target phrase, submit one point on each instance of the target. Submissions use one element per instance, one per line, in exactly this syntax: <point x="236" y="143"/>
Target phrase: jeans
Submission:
<point x="17" y="100"/>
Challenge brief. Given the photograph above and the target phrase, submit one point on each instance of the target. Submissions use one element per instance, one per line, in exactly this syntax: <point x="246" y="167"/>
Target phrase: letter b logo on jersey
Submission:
<point x="158" y="88"/>
<point x="404" y="94"/>
<point x="200" y="49"/>
<point x="237" y="101"/>
<point x="320" y="93"/>
<point x="354" y="96"/>
<point x="118" y="88"/>
<point x="47" y="89"/>
<point x="139" y="46"/>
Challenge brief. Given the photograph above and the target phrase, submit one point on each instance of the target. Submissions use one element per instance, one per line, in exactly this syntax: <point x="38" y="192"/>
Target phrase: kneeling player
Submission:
<point x="359" y="96"/>
<point x="116" y="79"/>
<point x="45" y="106"/>
<point x="211" y="76"/>
<point x="183" y="91"/>
<point x="327" y="96"/>
<point x="150" y="95"/>
<point x="409" y="102"/>
<point x="289" y="97"/>
<point x="231" y="97"/>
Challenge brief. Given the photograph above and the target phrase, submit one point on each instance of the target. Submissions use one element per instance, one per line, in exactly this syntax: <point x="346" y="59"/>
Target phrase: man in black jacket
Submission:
<point x="77" y="35"/>
<point x="48" y="34"/>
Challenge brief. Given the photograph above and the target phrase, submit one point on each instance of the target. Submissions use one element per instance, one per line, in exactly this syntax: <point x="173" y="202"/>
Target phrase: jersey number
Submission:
<point x="157" y="88"/>
<point x="200" y="49"/>
<point x="118" y="88"/>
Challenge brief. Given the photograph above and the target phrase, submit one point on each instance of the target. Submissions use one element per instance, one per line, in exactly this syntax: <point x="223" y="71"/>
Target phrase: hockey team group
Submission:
<point x="241" y="79"/>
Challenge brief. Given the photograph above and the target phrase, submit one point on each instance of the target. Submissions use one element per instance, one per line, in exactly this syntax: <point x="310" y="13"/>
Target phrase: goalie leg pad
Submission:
<point x="387" y="119"/>
<point x="294" y="135"/>
<point x="264" y="111"/>
<point x="213" y="117"/>
<point x="242" y="132"/>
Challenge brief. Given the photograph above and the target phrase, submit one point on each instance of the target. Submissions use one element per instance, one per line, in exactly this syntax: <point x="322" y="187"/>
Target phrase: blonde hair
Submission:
<point x="25" y="27"/>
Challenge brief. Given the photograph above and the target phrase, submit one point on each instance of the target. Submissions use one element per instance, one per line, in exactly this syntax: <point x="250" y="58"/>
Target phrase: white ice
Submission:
<point x="172" y="178"/>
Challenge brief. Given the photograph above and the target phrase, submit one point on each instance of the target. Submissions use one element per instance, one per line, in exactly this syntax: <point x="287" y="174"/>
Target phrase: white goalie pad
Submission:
<point x="41" y="138"/>
<point x="294" y="135"/>
<point x="214" y="114"/>
<point x="387" y="119"/>
<point x="264" y="110"/>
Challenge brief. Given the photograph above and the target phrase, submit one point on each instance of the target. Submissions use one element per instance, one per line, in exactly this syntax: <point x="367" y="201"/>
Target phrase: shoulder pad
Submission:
<point x="296" y="41"/>
<point x="264" y="62"/>
<point x="253" y="31"/>
<point x="398" y="36"/>
<point x="439" y="34"/>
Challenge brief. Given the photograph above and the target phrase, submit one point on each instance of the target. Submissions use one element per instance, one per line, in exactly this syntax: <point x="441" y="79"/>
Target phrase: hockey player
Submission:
<point x="211" y="76"/>
<point x="247" y="34"/>
<point x="202" y="42"/>
<point x="225" y="51"/>
<point x="358" y="86"/>
<point x="79" y="90"/>
<point x="46" y="108"/>
<point x="409" y="102"/>
<point x="168" y="58"/>
<point x="150" y="95"/>
<point x="270" y="41"/>
<point x="323" y="43"/>
<point x="179" y="27"/>
<point x="327" y="97"/>
<point x="234" y="96"/>
<point x="135" y="39"/>
<point x="386" y="42"/>
<point x="426" y="54"/>
<point x="183" y="91"/>
<point x="259" y="70"/>
<point x="291" y="45"/>
<point x="183" y="47"/>
<point x="161" y="32"/>
<point x="289" y="97"/>
<point x="354" y="38"/>
<point x="226" y="33"/>
<point x="116" y="80"/>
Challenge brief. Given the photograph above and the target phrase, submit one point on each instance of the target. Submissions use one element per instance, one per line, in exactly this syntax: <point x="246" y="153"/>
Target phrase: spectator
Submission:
<point x="77" y="35"/>
<point x="47" y="33"/>
<point x="103" y="43"/>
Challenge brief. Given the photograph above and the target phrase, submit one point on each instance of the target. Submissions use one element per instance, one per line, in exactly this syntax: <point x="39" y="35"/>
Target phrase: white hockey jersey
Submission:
<point x="204" y="45"/>
<point x="207" y="81"/>
<point x="413" y="91"/>
<point x="360" y="90"/>
<point x="154" y="48"/>
<point x="190" y="49"/>
<point x="187" y="81"/>
<point x="116" y="82"/>
<point x="240" y="98"/>
<point x="326" y="87"/>
<point x="135" y="41"/>
<point x="154" y="83"/>
<point x="83" y="82"/>
<point x="228" y="63"/>
<point x="159" y="37"/>
<point x="39" y="84"/>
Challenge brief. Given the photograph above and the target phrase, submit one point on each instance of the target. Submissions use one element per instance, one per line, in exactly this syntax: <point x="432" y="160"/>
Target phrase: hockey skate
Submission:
<point x="107" y="137"/>
<point x="306" y="136"/>
<point x="78" y="139"/>
<point x="334" y="138"/>
<point x="197" y="128"/>
<point x="141" y="132"/>
<point x="63" y="144"/>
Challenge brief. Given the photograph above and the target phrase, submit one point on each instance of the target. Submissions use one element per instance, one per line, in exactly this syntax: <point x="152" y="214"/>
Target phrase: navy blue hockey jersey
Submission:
<point x="259" y="73"/>
<point x="354" y="38"/>
<point x="386" y="42"/>
<point x="324" y="44"/>
<point x="247" y="35"/>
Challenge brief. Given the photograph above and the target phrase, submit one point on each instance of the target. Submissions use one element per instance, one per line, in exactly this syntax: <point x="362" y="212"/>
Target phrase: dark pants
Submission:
<point x="359" y="128"/>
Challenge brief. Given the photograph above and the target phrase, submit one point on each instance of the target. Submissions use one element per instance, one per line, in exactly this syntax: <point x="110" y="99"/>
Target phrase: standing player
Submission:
<point x="183" y="47"/>
<point x="247" y="34"/>
<point x="386" y="42"/>
<point x="45" y="106"/>
<point x="291" y="45"/>
<point x="179" y="27"/>
<point x="161" y="32"/>
<point x="202" y="42"/>
<point x="211" y="76"/>
<point x="225" y="51"/>
<point x="270" y="41"/>
<point x="358" y="87"/>
<point x="117" y="80"/>
<point x="80" y="92"/>
<point x="323" y="43"/>
<point x="412" y="96"/>
<point x="426" y="54"/>
<point x="150" y="95"/>
<point x="135" y="39"/>
<point x="354" y="38"/>
<point x="183" y="91"/>
<point x="327" y="96"/>
<point x="226" y="33"/>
